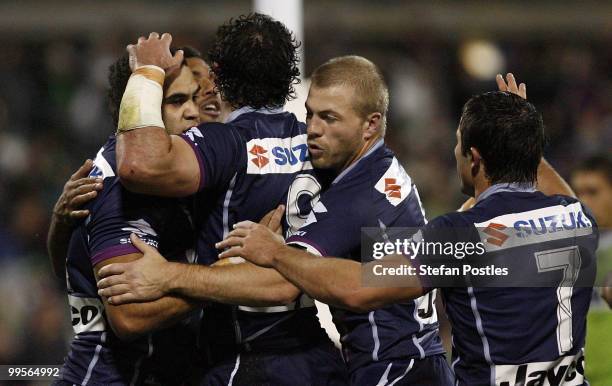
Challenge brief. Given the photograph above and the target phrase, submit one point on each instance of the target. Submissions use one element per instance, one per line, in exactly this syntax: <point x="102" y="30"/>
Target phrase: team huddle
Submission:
<point x="195" y="243"/>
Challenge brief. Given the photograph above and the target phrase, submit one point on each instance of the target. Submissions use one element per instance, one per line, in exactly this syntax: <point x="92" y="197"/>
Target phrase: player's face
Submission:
<point x="463" y="168"/>
<point x="335" y="129"/>
<point x="594" y="190"/>
<point x="209" y="103"/>
<point x="179" y="109"/>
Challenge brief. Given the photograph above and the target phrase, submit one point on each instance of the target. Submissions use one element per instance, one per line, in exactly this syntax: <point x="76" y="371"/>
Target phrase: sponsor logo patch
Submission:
<point x="87" y="314"/>
<point x="260" y="159"/>
<point x="395" y="184"/>
<point x="277" y="155"/>
<point x="566" y="371"/>
<point x="536" y="226"/>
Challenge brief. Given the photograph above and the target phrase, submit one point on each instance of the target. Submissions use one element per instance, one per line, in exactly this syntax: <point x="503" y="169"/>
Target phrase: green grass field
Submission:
<point x="598" y="356"/>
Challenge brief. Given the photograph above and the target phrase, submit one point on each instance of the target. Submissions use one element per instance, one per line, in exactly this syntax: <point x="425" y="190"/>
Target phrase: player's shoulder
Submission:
<point x="210" y="129"/>
<point x="451" y="219"/>
<point x="392" y="187"/>
<point x="280" y="118"/>
<point x="104" y="164"/>
<point x="380" y="189"/>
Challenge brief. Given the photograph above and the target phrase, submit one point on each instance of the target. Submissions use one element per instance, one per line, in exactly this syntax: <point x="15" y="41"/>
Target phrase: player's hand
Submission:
<point x="273" y="218"/>
<point x="78" y="190"/>
<point x="253" y="242"/>
<point x="154" y="50"/>
<point x="141" y="280"/>
<point x="510" y="86"/>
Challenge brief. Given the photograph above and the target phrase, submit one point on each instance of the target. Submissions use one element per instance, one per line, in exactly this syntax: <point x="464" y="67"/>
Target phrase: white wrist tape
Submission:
<point x="142" y="100"/>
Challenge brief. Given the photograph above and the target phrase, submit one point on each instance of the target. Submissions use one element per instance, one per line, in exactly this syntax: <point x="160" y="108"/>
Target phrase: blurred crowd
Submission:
<point x="53" y="115"/>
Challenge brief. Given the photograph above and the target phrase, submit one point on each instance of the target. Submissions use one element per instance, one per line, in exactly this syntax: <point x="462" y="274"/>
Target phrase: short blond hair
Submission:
<point x="372" y="94"/>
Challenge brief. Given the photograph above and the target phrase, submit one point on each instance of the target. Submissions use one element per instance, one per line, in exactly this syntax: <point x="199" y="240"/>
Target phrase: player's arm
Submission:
<point x="334" y="281"/>
<point x="148" y="159"/>
<point x="152" y="277"/>
<point x="241" y="284"/>
<point x="549" y="181"/>
<point x="131" y="320"/>
<point x="67" y="211"/>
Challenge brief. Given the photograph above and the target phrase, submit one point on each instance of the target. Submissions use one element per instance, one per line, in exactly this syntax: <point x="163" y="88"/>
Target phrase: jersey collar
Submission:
<point x="507" y="187"/>
<point x="247" y="109"/>
<point x="376" y="146"/>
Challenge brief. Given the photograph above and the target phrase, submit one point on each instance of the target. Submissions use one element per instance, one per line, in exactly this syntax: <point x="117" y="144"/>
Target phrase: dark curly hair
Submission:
<point x="118" y="76"/>
<point x="255" y="62"/>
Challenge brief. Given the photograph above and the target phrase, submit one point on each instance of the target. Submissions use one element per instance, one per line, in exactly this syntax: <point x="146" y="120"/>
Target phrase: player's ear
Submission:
<point x="373" y="126"/>
<point x="475" y="160"/>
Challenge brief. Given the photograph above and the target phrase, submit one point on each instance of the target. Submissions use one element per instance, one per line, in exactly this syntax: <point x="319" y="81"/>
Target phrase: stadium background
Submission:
<point x="55" y="57"/>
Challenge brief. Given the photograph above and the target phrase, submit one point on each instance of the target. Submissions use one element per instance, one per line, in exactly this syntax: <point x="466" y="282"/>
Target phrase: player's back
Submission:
<point x="97" y="356"/>
<point x="248" y="167"/>
<point x="534" y="331"/>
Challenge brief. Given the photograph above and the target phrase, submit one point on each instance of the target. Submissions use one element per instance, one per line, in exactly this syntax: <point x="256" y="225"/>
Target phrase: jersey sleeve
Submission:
<point x="110" y="226"/>
<point x="328" y="234"/>
<point x="219" y="149"/>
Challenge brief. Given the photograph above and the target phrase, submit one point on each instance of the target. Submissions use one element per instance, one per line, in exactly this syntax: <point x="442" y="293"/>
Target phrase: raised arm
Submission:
<point x="148" y="159"/>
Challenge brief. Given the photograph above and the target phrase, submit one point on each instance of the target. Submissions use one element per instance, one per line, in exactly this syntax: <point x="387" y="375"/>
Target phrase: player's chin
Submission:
<point x="189" y="124"/>
<point x="318" y="161"/>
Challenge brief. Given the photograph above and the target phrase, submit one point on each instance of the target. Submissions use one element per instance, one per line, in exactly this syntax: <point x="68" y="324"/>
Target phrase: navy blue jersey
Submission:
<point x="523" y="335"/>
<point x="97" y="356"/>
<point x="248" y="166"/>
<point x="373" y="192"/>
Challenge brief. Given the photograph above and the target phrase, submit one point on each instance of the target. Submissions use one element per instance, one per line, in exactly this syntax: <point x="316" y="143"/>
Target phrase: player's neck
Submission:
<point x="480" y="185"/>
<point x="361" y="152"/>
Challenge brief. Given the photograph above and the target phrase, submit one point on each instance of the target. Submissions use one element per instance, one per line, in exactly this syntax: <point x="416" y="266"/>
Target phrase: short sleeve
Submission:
<point x="328" y="234"/>
<point x="219" y="149"/>
<point x="111" y="223"/>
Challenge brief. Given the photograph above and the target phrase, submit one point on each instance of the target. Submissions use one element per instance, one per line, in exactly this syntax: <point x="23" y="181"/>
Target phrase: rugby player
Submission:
<point x="211" y="107"/>
<point x="110" y="347"/>
<point x="501" y="336"/>
<point x="80" y="188"/>
<point x="240" y="171"/>
<point x="346" y="117"/>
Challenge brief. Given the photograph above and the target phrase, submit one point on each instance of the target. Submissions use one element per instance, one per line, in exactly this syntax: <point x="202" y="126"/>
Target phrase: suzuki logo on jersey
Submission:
<point x="395" y="184"/>
<point x="283" y="155"/>
<point x="260" y="160"/>
<point x="566" y="371"/>
<point x="497" y="236"/>
<point x="392" y="188"/>
<point x="278" y="155"/>
<point x="535" y="226"/>
<point x="551" y="224"/>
